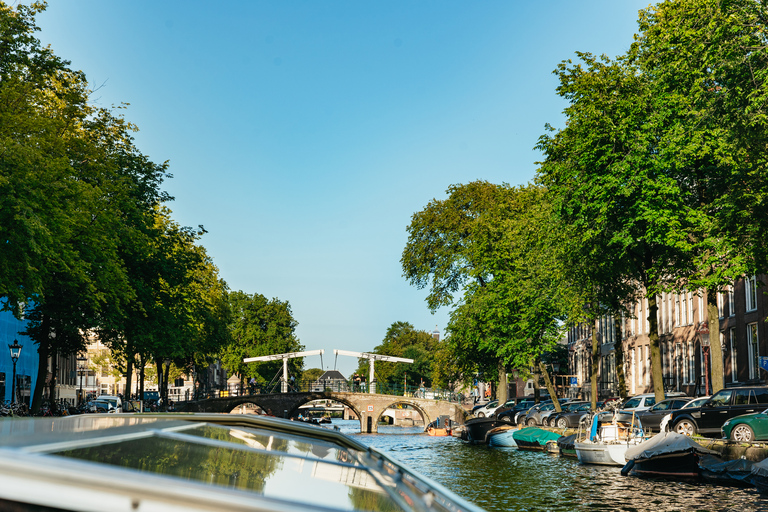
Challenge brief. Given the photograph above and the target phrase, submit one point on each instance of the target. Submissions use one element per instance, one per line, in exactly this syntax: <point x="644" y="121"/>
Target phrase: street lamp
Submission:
<point x="15" y="353"/>
<point x="81" y="359"/>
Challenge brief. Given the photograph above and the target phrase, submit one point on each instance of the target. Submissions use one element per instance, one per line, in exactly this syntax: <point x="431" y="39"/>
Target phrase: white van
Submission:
<point x="114" y="401"/>
<point x="645" y="401"/>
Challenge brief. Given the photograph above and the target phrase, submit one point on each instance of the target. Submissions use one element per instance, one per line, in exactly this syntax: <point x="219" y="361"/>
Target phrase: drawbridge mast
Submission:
<point x="285" y="358"/>
<point x="371" y="358"/>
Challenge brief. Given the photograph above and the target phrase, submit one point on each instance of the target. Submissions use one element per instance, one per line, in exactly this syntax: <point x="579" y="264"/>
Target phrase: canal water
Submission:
<point x="505" y="479"/>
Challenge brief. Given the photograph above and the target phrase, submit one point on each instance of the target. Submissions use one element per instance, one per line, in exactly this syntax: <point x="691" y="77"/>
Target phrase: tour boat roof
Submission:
<point x="202" y="462"/>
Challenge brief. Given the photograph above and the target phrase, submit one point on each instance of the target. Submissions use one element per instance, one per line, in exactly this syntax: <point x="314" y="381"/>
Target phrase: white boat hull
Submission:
<point x="606" y="454"/>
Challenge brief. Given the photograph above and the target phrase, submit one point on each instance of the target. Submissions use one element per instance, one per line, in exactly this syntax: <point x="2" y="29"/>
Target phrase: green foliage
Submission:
<point x="403" y="340"/>
<point x="311" y="374"/>
<point x="260" y="327"/>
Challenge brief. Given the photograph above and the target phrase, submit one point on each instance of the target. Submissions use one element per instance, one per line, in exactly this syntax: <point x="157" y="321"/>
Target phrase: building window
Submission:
<point x="732" y="342"/>
<point x="701" y="306"/>
<point x="647" y="322"/>
<point x="690" y="308"/>
<point x="691" y="361"/>
<point x="647" y="368"/>
<point x="731" y="306"/>
<point x="750" y="287"/>
<point x="754" y="353"/>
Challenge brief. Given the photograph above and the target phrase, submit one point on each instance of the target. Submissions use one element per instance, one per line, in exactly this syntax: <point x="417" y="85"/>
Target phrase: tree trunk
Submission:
<point x="657" y="376"/>
<point x="594" y="363"/>
<point x="142" y="364"/>
<point x="42" y="364"/>
<point x="715" y="348"/>
<point x="128" y="374"/>
<point x="52" y="384"/>
<point x="165" y="383"/>
<point x="502" y="392"/>
<point x="159" y="371"/>
<point x="550" y="387"/>
<point x="618" y="350"/>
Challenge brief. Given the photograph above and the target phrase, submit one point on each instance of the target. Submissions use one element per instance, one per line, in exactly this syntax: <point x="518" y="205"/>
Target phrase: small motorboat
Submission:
<point x="566" y="446"/>
<point x="611" y="434"/>
<point x="759" y="475"/>
<point x="666" y="455"/>
<point x="730" y="472"/>
<point x="502" y="436"/>
<point x="441" y="427"/>
<point x="534" y="438"/>
<point x="475" y="430"/>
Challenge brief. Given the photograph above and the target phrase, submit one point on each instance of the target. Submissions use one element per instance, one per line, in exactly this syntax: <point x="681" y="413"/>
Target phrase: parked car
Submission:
<point x="99" y="406"/>
<point x="727" y="403"/>
<point x="115" y="401"/>
<point x="490" y="410"/>
<point x="651" y="418"/>
<point x="696" y="402"/>
<point x="548" y="415"/>
<point x="747" y="428"/>
<point x="571" y="418"/>
<point x="486" y="409"/>
<point x="484" y="404"/>
<point x="533" y="416"/>
<point x="509" y="414"/>
<point x="645" y="401"/>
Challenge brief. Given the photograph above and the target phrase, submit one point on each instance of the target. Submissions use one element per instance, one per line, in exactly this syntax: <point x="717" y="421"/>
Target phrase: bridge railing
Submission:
<point x="308" y="386"/>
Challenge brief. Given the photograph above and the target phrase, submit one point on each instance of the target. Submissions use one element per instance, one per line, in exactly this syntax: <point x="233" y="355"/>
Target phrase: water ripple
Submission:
<point x="507" y="480"/>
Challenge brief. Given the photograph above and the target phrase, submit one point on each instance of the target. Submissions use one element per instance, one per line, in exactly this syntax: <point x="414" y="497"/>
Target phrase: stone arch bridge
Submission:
<point x="369" y="408"/>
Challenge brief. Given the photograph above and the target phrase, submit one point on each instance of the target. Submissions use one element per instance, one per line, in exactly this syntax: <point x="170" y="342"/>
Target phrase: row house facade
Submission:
<point x="683" y="328"/>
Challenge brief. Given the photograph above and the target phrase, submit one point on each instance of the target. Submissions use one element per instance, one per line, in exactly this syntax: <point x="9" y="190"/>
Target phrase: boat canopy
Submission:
<point x="666" y="443"/>
<point x="202" y="462"/>
<point x="534" y="434"/>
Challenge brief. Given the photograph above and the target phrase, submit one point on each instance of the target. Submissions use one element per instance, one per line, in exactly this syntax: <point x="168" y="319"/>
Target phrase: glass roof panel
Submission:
<point x="276" y="441"/>
<point x="274" y="475"/>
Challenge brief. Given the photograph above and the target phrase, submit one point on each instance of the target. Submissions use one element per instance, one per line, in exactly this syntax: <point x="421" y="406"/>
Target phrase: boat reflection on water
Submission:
<point x="202" y="462"/>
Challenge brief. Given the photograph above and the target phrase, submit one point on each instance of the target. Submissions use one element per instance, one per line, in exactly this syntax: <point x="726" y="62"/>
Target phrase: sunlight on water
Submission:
<point x="505" y="479"/>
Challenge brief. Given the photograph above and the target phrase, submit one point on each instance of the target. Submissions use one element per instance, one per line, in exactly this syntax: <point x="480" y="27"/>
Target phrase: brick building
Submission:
<point x="682" y="320"/>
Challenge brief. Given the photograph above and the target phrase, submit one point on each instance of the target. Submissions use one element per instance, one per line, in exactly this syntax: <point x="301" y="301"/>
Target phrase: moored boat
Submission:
<point x="610" y="436"/>
<point x="565" y="445"/>
<point x="441" y="427"/>
<point x="730" y="472"/>
<point x="759" y="475"/>
<point x="666" y="455"/>
<point x="534" y="438"/>
<point x="502" y="436"/>
<point x="475" y="430"/>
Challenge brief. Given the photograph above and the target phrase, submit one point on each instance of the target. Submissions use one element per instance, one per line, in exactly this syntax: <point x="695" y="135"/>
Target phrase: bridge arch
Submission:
<point x="403" y="401"/>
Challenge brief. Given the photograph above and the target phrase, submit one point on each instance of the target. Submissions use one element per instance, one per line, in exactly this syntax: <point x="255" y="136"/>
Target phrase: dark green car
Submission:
<point x="747" y="428"/>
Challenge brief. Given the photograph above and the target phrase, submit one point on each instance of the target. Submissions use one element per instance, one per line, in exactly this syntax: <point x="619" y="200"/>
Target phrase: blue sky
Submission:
<point x="305" y="134"/>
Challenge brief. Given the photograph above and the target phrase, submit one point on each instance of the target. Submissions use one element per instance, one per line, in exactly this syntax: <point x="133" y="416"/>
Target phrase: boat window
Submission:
<point x="270" y="472"/>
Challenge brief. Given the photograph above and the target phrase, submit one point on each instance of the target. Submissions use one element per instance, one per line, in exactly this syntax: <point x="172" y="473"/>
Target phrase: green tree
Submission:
<point x="482" y="242"/>
<point x="403" y="340"/>
<point x="613" y="190"/>
<point x="260" y="327"/>
<point x="707" y="63"/>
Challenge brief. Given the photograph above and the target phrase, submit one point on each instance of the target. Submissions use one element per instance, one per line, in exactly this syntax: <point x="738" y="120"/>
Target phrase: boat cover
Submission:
<point x="567" y="442"/>
<point x="729" y="471"/>
<point x="535" y="435"/>
<point x="664" y="444"/>
<point x="760" y="468"/>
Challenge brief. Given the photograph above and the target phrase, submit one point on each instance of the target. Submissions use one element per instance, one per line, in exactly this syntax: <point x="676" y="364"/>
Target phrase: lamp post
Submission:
<point x="15" y="353"/>
<point x="81" y="359"/>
